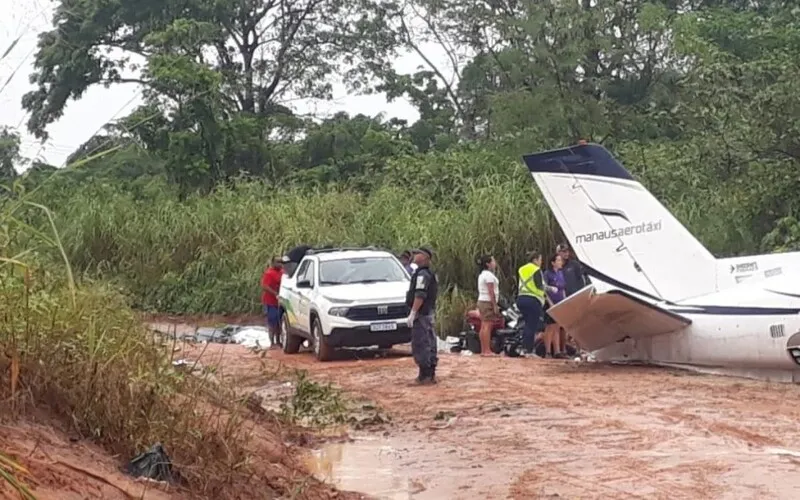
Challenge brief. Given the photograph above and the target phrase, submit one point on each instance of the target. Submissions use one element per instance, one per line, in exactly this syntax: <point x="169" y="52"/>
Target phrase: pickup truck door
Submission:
<point x="303" y="295"/>
<point x="290" y="299"/>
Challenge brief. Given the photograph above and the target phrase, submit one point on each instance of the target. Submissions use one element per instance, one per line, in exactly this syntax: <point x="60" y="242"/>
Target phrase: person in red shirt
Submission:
<point x="270" y="286"/>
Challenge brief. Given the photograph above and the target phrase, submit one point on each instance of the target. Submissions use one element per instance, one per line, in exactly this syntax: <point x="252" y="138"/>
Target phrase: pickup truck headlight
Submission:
<point x="338" y="311"/>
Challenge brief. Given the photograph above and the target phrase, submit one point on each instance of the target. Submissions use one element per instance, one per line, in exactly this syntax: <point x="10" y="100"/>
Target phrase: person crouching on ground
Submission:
<point x="554" y="341"/>
<point x="421" y="298"/>
<point x="530" y="299"/>
<point x="488" y="291"/>
<point x="270" y="286"/>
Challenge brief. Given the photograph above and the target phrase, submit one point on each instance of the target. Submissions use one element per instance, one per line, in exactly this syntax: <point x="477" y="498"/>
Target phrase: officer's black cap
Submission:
<point x="426" y="250"/>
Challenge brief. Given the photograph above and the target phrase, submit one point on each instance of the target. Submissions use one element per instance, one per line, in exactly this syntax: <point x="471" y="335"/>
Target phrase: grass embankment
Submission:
<point x="78" y="352"/>
<point x="93" y="364"/>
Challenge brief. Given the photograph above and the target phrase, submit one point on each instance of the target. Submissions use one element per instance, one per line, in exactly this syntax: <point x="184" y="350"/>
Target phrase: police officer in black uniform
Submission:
<point x="421" y="298"/>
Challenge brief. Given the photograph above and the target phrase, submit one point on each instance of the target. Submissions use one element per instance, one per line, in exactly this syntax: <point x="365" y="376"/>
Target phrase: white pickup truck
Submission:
<point x="344" y="297"/>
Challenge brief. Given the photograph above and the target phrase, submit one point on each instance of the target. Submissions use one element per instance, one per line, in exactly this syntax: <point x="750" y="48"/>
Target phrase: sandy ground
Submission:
<point x="531" y="428"/>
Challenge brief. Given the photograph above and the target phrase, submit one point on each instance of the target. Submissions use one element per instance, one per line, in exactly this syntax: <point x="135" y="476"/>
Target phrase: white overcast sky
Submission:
<point x="83" y="118"/>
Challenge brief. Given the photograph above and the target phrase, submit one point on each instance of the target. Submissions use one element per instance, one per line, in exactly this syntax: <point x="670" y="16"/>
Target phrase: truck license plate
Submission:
<point x="383" y="327"/>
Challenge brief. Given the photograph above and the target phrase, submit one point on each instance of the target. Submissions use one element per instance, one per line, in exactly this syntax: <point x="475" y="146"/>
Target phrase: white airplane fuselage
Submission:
<point x="748" y="330"/>
<point x="751" y="328"/>
<point x="657" y="294"/>
<point x="751" y="268"/>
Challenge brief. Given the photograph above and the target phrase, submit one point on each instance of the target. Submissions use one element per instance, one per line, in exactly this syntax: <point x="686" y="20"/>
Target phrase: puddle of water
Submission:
<point x="365" y="466"/>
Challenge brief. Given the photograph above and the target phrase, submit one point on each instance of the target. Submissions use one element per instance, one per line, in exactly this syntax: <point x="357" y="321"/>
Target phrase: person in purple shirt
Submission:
<point x="556" y="292"/>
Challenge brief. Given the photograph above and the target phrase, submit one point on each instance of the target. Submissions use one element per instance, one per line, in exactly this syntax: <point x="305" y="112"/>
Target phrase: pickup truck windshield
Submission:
<point x="368" y="270"/>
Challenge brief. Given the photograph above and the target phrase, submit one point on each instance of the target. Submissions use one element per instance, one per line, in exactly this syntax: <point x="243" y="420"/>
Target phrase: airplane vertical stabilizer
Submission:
<point x="618" y="227"/>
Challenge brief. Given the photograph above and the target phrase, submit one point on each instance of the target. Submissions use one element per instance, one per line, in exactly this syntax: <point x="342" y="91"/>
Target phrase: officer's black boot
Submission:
<point x="421" y="376"/>
<point x="426" y="377"/>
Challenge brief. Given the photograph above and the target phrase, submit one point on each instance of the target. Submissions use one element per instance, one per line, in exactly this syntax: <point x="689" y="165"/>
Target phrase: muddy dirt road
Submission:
<point x="529" y="428"/>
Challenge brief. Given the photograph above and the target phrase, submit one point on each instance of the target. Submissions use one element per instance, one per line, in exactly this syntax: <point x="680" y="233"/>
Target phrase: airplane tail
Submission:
<point x="618" y="227"/>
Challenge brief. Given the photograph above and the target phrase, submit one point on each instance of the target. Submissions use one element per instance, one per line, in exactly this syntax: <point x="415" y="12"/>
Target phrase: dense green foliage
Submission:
<point x="182" y="202"/>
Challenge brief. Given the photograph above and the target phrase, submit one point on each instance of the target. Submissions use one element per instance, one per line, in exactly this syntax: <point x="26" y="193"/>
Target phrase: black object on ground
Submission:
<point x="222" y="335"/>
<point x="541" y="350"/>
<point x="152" y="464"/>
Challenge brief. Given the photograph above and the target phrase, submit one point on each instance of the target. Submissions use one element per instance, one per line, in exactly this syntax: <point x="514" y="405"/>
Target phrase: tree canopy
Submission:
<point x="695" y="95"/>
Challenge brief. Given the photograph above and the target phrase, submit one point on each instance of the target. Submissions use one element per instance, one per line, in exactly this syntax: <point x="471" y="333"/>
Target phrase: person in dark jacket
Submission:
<point x="574" y="277"/>
<point x="573" y="272"/>
<point x="293" y="258"/>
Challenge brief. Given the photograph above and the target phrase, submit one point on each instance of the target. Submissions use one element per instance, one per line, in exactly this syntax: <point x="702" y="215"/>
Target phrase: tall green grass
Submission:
<point x="205" y="254"/>
<point x="78" y="351"/>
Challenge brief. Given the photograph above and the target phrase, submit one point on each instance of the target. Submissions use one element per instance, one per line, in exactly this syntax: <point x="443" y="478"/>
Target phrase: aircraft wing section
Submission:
<point x="597" y="320"/>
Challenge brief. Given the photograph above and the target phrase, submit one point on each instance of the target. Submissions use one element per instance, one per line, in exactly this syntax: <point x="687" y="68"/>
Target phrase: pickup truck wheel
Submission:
<point x="291" y="343"/>
<point x="322" y="350"/>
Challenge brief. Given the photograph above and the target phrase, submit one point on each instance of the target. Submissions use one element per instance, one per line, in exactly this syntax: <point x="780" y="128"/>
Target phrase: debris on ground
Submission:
<point x="220" y="335"/>
<point x="152" y="464"/>
<point x="781" y="451"/>
<point x="362" y="422"/>
<point x="443" y="415"/>
<point x="273" y="394"/>
<point x="181" y="363"/>
<point x="443" y="425"/>
<point x="253" y="337"/>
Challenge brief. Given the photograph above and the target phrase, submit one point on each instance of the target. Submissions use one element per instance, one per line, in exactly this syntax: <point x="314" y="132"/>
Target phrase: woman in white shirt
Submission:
<point x="488" y="291"/>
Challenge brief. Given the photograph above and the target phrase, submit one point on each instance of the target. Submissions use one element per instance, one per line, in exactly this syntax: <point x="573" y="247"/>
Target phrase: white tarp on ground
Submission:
<point x="444" y="345"/>
<point x="252" y="336"/>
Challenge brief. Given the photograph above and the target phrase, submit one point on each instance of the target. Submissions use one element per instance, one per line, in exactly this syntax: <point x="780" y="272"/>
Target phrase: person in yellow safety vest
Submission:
<point x="530" y="298"/>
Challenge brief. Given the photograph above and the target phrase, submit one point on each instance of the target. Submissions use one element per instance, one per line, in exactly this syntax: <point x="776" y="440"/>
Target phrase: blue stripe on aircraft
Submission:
<point x="590" y="271"/>
<point x="585" y="159"/>
<point x="794" y="295"/>
<point x="736" y="310"/>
